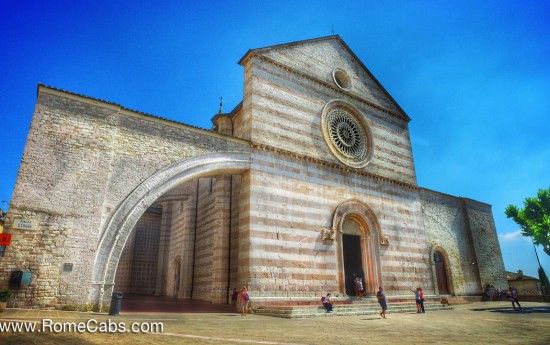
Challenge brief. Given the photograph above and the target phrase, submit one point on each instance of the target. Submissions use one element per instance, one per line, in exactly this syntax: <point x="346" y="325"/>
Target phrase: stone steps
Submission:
<point x="368" y="308"/>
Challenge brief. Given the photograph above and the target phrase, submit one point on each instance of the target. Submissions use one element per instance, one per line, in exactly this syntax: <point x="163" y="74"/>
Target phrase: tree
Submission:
<point x="534" y="218"/>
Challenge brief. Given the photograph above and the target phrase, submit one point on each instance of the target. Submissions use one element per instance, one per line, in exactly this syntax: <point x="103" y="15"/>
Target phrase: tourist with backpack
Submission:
<point x="245" y="299"/>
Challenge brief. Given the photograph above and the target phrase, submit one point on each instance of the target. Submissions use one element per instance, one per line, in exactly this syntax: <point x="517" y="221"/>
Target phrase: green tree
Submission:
<point x="534" y="218"/>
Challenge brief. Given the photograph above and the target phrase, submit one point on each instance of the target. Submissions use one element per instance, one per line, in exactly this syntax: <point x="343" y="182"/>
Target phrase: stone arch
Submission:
<point x="118" y="227"/>
<point x="371" y="237"/>
<point x="448" y="273"/>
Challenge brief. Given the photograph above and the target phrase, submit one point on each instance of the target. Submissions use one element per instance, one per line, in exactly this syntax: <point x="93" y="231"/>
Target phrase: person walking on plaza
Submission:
<point x="513" y="297"/>
<point x="382" y="300"/>
<point x="245" y="298"/>
<point x="327" y="303"/>
<point x="417" y="299"/>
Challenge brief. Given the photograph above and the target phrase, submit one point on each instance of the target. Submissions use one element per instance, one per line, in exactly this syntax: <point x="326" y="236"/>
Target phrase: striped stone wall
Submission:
<point x="293" y="199"/>
<point x="181" y="241"/>
<point x="285" y="92"/>
<point x="90" y="168"/>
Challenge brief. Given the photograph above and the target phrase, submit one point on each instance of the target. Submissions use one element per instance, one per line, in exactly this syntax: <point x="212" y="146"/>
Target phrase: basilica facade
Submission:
<point x="306" y="183"/>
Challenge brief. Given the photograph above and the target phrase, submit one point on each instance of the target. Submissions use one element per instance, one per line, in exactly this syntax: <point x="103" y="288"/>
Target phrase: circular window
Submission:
<point x="341" y="78"/>
<point x="347" y="134"/>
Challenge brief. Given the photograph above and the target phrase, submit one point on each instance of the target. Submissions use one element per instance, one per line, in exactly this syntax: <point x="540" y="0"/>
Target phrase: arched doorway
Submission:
<point x="441" y="273"/>
<point x="353" y="261"/>
<point x="358" y="246"/>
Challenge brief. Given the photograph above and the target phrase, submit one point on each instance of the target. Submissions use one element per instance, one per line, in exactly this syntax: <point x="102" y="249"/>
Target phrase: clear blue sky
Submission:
<point x="474" y="76"/>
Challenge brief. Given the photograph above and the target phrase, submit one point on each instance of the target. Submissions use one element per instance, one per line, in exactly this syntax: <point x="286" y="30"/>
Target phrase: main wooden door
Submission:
<point x="352" y="261"/>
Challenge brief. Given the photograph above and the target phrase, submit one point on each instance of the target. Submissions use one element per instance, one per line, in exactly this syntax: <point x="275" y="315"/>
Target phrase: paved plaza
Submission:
<point x="475" y="323"/>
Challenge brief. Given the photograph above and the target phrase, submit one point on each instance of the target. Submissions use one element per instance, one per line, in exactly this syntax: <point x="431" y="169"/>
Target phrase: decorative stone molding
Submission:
<point x="328" y="234"/>
<point x="322" y="162"/>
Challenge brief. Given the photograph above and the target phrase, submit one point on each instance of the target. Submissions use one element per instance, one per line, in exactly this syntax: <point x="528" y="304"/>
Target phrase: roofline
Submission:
<point x="454" y="196"/>
<point x="252" y="52"/>
<point x="53" y="90"/>
<point x="286" y="45"/>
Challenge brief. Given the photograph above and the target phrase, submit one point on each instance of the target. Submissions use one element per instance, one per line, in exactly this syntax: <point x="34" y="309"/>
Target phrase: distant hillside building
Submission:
<point x="524" y="284"/>
<point x="309" y="181"/>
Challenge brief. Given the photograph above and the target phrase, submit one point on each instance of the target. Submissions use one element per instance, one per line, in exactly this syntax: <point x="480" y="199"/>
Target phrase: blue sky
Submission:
<point x="474" y="76"/>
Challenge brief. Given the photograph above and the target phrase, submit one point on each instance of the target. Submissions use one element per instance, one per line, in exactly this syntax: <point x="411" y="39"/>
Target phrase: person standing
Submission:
<point x="421" y="299"/>
<point x="417" y="299"/>
<point x="382" y="300"/>
<point x="245" y="298"/>
<point x="359" y="288"/>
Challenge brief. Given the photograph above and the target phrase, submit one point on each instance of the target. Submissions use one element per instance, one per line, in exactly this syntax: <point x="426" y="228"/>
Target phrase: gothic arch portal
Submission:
<point x="441" y="270"/>
<point x="370" y="237"/>
<point x="118" y="227"/>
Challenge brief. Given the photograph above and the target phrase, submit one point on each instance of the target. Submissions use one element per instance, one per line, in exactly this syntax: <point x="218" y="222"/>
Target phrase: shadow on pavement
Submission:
<point x="157" y="304"/>
<point x="510" y="310"/>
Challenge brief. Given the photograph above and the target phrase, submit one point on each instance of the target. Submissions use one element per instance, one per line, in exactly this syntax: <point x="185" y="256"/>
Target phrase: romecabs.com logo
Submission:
<point x="90" y="326"/>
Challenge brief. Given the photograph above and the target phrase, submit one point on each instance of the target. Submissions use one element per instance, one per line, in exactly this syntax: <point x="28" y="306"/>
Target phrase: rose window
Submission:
<point x="347" y="134"/>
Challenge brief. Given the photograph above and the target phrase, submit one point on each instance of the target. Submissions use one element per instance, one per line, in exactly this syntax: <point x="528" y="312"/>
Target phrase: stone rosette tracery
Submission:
<point x="346" y="133"/>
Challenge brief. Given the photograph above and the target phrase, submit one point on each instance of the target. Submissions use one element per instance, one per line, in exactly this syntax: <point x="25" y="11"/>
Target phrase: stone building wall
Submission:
<point x="82" y="158"/>
<point x="125" y="266"/>
<point x="465" y="231"/>
<point x="293" y="199"/>
<point x="181" y="242"/>
<point x="296" y="183"/>
<point x="287" y="88"/>
<point x="90" y="168"/>
<point x="485" y="240"/>
<point x="211" y="272"/>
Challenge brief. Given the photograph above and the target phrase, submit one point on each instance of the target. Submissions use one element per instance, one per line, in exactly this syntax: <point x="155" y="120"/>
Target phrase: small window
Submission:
<point x="341" y="78"/>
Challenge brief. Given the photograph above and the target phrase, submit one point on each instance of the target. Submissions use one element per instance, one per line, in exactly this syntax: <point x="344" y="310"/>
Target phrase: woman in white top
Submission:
<point x="327" y="303"/>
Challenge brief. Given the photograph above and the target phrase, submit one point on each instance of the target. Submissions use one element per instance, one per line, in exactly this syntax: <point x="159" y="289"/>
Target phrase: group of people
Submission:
<point x="327" y="302"/>
<point x="511" y="295"/>
<point x="359" y="289"/>
<point x="245" y="300"/>
<point x="380" y="296"/>
<point x="419" y="298"/>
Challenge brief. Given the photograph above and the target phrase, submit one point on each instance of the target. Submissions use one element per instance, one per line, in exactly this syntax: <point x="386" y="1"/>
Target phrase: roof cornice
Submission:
<point x="319" y="161"/>
<point x="117" y="107"/>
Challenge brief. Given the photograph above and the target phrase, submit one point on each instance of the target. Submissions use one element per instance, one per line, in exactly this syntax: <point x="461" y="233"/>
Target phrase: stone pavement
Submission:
<point x="475" y="323"/>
